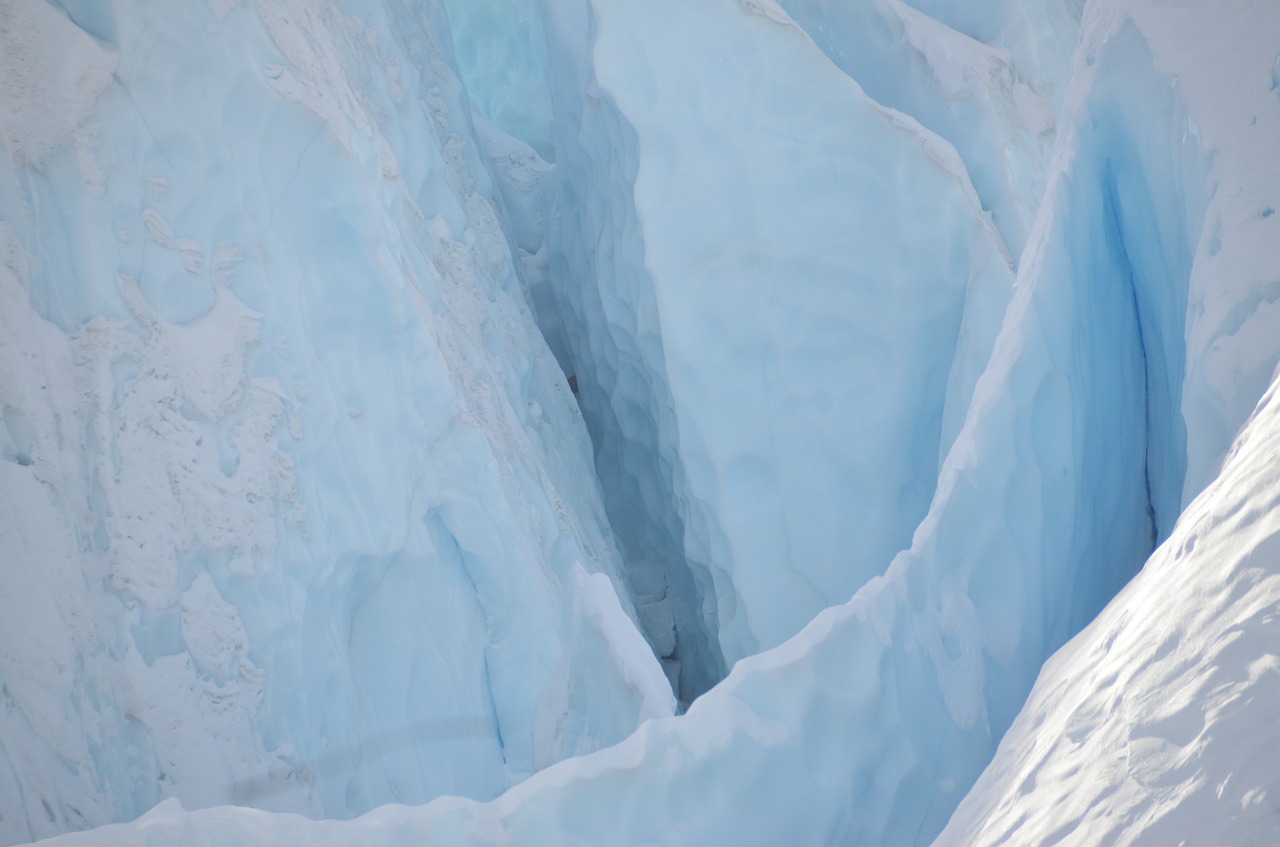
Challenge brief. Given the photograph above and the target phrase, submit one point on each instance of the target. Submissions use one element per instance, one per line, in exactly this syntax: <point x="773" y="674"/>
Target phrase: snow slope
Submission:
<point x="1156" y="725"/>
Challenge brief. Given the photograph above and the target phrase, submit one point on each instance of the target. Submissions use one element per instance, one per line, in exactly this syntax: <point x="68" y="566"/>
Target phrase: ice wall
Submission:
<point x="1176" y="675"/>
<point x="1156" y="724"/>
<point x="871" y="723"/>
<point x="988" y="78"/>
<point x="766" y="359"/>
<point x="1140" y="333"/>
<point x="299" y="509"/>
<point x="501" y="59"/>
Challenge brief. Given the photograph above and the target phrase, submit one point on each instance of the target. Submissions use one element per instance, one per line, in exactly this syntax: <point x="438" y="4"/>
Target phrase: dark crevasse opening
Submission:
<point x="1128" y="220"/>
<point x="606" y="314"/>
<point x="526" y="66"/>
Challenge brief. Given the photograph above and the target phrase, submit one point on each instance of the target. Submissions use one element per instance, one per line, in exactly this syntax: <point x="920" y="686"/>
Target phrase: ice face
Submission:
<point x="992" y="86"/>
<point x="765" y="362"/>
<point x="447" y="612"/>
<point x="298" y="499"/>
<point x="1183" y="694"/>
<point x="501" y="55"/>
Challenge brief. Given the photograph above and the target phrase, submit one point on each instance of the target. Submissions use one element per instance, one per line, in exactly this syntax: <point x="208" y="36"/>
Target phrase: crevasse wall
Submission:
<point x="871" y="723"/>
<point x="989" y="79"/>
<point x="711" y="247"/>
<point x="299" y="508"/>
<point x="607" y="307"/>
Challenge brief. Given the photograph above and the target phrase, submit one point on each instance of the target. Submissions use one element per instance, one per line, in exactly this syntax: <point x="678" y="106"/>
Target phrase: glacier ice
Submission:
<point x="767" y="262"/>
<point x="501" y="55"/>
<point x="293" y="488"/>
<point x="990" y="84"/>
<point x="1156" y="724"/>
<point x="765" y="363"/>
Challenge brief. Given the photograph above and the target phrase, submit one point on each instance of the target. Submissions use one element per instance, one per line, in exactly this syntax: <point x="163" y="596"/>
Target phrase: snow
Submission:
<point x="53" y="72"/>
<point x="921" y="345"/>
<point x="1156" y="724"/>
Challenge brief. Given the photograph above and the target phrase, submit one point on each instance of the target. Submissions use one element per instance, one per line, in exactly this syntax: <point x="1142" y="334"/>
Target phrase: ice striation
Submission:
<point x="906" y="333"/>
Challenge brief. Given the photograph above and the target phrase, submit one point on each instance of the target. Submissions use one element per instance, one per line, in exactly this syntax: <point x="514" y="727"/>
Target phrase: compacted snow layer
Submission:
<point x="298" y="507"/>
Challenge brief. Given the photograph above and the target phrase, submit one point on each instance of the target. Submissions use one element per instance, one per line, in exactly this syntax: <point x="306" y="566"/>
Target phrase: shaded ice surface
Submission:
<point x="298" y="507"/>
<point x="992" y="86"/>
<point x="765" y="360"/>
<point x="502" y="59"/>
<point x="733" y="213"/>
<point x="1156" y="725"/>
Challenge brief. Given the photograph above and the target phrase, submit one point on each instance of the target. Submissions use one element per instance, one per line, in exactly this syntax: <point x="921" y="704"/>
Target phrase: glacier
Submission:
<point x="266" y="349"/>
<point x="581" y="421"/>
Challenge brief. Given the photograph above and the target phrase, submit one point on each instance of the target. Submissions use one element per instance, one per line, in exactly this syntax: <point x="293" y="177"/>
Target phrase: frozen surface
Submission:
<point x="759" y="273"/>
<point x="298" y="508"/>
<point x="502" y="59"/>
<point x="1156" y="725"/>
<point x="771" y="367"/>
<point x="992" y="86"/>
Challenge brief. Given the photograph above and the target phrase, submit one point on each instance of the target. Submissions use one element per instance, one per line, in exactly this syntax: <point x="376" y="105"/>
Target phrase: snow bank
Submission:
<point x="1156" y="725"/>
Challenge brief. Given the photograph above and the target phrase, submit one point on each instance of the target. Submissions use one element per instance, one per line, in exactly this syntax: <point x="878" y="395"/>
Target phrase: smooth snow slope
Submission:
<point x="298" y="509"/>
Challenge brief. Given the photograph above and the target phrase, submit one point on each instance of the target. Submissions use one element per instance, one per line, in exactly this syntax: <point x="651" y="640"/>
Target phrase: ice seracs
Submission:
<point x="298" y="506"/>
<point x="306" y="518"/>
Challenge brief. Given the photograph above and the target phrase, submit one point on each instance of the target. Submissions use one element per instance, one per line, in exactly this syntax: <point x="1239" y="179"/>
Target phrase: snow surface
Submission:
<point x="304" y="516"/>
<point x="1156" y="725"/>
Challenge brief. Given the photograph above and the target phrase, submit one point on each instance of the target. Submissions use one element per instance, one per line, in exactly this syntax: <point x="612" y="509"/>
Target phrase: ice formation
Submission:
<point x="904" y="333"/>
<point x="299" y="509"/>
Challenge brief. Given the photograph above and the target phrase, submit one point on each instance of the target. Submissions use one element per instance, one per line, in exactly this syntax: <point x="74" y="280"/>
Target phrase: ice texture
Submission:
<point x="298" y="506"/>
<point x="770" y="366"/>
<point x="1072" y="412"/>
<point x="501" y="56"/>
<point x="992" y="86"/>
<point x="1156" y="724"/>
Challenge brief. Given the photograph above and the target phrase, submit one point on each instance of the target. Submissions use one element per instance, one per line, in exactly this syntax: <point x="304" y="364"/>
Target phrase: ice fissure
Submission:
<point x="305" y="504"/>
<point x="899" y="334"/>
